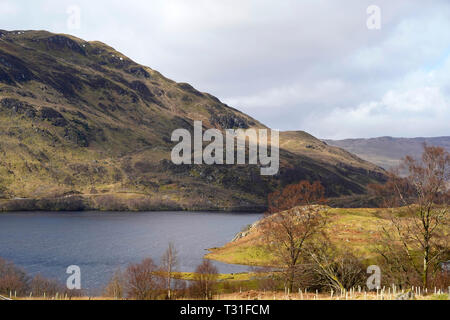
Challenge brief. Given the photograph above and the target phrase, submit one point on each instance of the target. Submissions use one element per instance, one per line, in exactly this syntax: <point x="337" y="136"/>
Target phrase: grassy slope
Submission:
<point x="351" y="230"/>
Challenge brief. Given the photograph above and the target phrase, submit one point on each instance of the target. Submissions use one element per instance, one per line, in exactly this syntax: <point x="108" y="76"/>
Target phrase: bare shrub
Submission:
<point x="12" y="279"/>
<point x="328" y="268"/>
<point x="179" y="289"/>
<point x="40" y="285"/>
<point x="441" y="280"/>
<point x="116" y="286"/>
<point x="142" y="281"/>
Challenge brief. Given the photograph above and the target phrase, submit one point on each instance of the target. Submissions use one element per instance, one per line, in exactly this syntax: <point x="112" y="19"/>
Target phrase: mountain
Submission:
<point x="85" y="127"/>
<point x="387" y="152"/>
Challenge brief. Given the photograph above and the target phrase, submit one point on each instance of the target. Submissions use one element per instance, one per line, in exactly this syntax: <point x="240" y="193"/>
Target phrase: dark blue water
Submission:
<point x="101" y="242"/>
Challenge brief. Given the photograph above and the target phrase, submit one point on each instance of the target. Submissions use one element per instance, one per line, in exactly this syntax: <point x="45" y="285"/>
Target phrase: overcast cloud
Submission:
<point x="308" y="65"/>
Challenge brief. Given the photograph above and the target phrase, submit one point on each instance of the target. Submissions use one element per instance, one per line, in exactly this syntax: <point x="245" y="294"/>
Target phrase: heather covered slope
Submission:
<point x="83" y="126"/>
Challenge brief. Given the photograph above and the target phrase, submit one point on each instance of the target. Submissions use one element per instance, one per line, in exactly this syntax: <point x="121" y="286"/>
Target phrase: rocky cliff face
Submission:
<point x="79" y="118"/>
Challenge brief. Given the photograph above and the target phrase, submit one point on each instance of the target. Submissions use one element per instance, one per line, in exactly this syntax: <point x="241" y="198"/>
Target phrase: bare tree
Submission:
<point x="288" y="227"/>
<point x="330" y="268"/>
<point x="116" y="286"/>
<point x="205" y="280"/>
<point x="142" y="280"/>
<point x="418" y="239"/>
<point x="169" y="263"/>
<point x="302" y="193"/>
<point x="12" y="279"/>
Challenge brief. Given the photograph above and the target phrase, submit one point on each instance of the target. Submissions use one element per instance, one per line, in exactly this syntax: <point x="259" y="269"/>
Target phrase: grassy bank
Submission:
<point x="353" y="230"/>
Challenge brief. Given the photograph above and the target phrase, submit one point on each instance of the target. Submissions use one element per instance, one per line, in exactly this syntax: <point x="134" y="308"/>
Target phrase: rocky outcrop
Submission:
<point x="13" y="69"/>
<point x="59" y="42"/>
<point x="230" y="121"/>
<point x="19" y="107"/>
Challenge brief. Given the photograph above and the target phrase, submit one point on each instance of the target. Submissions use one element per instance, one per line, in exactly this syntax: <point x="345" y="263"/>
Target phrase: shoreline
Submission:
<point x="135" y="202"/>
<point x="83" y="203"/>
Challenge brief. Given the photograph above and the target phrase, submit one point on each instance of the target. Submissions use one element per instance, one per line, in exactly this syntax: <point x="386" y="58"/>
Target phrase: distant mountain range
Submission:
<point x="85" y="127"/>
<point x="387" y="152"/>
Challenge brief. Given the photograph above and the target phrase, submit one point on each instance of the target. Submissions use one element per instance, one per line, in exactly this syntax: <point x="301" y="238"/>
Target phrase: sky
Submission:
<point x="332" y="68"/>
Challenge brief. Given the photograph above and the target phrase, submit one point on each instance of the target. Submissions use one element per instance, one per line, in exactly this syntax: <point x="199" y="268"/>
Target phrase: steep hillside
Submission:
<point x="83" y="126"/>
<point x="387" y="152"/>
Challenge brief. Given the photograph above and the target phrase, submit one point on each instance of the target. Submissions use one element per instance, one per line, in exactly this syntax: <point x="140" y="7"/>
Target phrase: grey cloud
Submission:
<point x="295" y="65"/>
